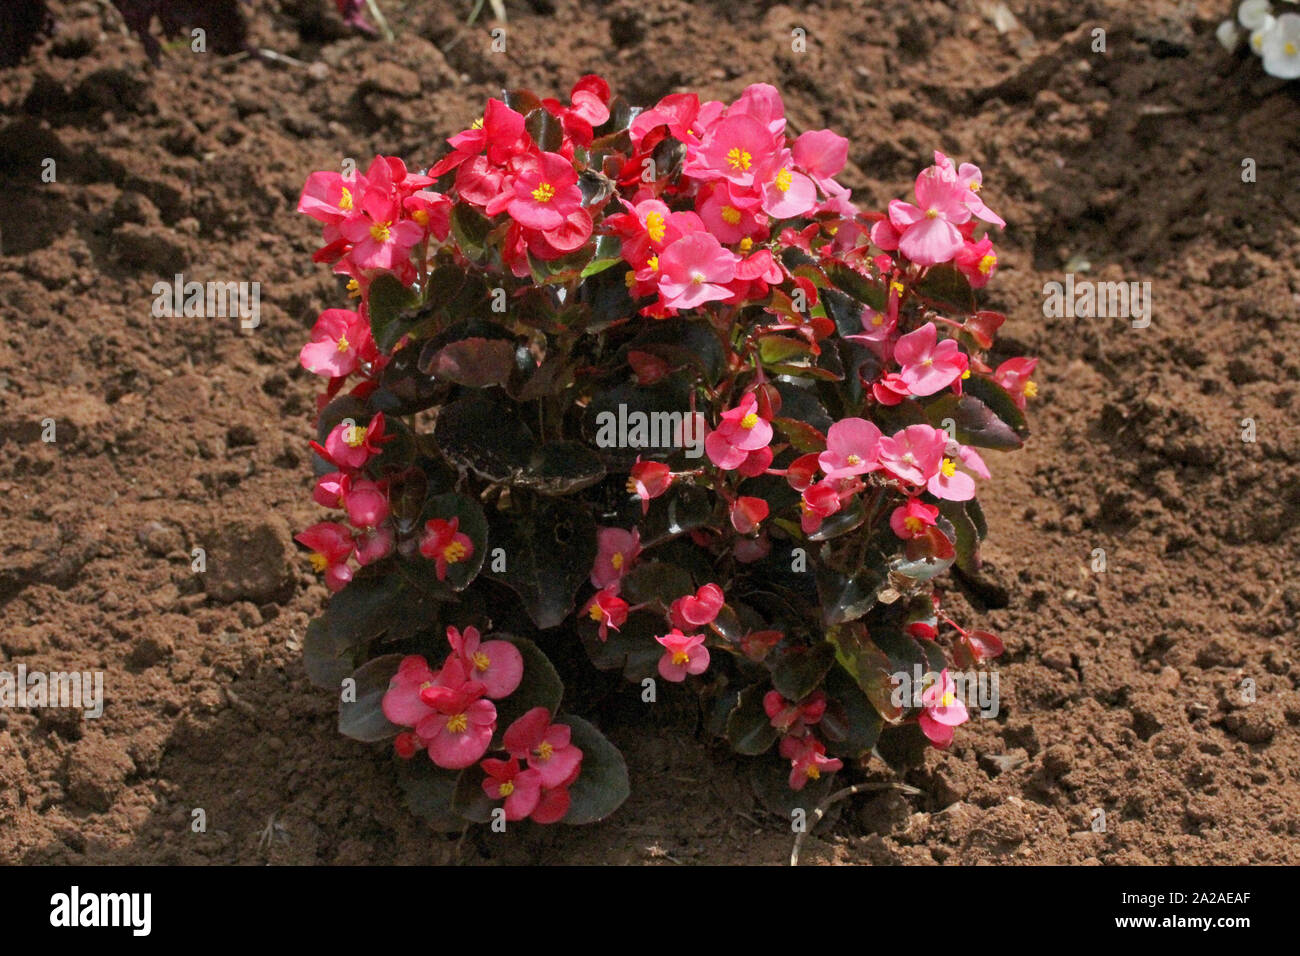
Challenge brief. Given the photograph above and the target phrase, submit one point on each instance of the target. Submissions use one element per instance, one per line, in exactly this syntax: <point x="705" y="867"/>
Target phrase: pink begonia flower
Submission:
<point x="877" y="327"/>
<point x="366" y="503"/>
<point x="911" y="520"/>
<point x="730" y="214"/>
<point x="808" y="760"/>
<point x="698" y="609"/>
<point x="445" y="544"/>
<point x="350" y="445"/>
<point x="822" y="155"/>
<point x="733" y="150"/>
<point x="741" y="431"/>
<point x="497" y="665"/>
<point x="762" y="102"/>
<point x="755" y="463"/>
<point x="914" y="454"/>
<point x="553" y="806"/>
<point x="818" y="503"/>
<point x="331" y="545"/>
<point x="616" y="552"/>
<point x="380" y="235"/>
<point x="407" y="744"/>
<point x="794" y="717"/>
<point x="928" y="232"/>
<point x="430" y="211"/>
<point x="520" y="789"/>
<point x="890" y="390"/>
<point x="374" y="544"/>
<point x="952" y="485"/>
<point x="648" y="480"/>
<point x="941" y="711"/>
<point x="1015" y="375"/>
<point x="607" y="609"/>
<point x="330" y="197"/>
<point x="884" y="235"/>
<point x="927" y="364"/>
<point x="338" y="343"/>
<point x="787" y="193"/>
<point x="546" y="746"/>
<point x="850" y="448"/>
<point x="748" y="513"/>
<point x="969" y="178"/>
<point x="546" y="193"/>
<point x="695" y="270"/>
<point x="402" y="703"/>
<point x="683" y="654"/>
<point x="977" y="262"/>
<point x="460" y="729"/>
<point x="330" y="489"/>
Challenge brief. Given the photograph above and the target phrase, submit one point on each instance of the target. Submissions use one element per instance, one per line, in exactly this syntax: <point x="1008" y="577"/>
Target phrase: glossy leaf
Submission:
<point x="363" y="718"/>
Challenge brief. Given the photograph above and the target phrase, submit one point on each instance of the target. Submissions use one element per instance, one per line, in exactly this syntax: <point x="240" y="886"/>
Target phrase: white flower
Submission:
<point x="1281" y="50"/>
<point x="1257" y="38"/>
<point x="1228" y="35"/>
<point x="1253" y="13"/>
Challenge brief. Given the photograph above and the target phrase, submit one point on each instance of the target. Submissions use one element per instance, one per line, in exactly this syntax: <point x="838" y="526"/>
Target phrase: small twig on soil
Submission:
<point x="835" y="798"/>
<point x="243" y="706"/>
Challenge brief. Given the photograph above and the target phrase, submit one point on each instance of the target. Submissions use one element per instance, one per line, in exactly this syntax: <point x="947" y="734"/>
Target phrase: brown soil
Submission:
<point x="1121" y="691"/>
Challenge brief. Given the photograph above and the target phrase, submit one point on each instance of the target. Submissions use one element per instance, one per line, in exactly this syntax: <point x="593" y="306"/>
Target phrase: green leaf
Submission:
<point x="851" y="724"/>
<point x="847" y="597"/>
<point x="391" y="315"/>
<point x="1000" y="401"/>
<point x="363" y="718"/>
<point x="868" y="665"/>
<point x="474" y="362"/>
<point x="326" y="658"/>
<point x="775" y="349"/>
<point x="966" y="542"/>
<point x="656" y="580"/>
<point x="800" y="670"/>
<point x="976" y="423"/>
<point x="545" y="129"/>
<point x="802" y="437"/>
<point x="540" y="687"/>
<point x="469" y="799"/>
<point x="429" y="790"/>
<point x="602" y="785"/>
<point x="549" y="550"/>
<point x="945" y="287"/>
<point x="867" y="291"/>
<point x="608" y="254"/>
<point x="472" y="524"/>
<point x="749" y="729"/>
<point x="470" y="229"/>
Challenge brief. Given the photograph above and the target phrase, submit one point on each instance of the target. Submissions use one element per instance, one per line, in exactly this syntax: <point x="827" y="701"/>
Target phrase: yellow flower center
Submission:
<point x="457" y="723"/>
<point x="746" y="244"/>
<point x="481" y="662"/>
<point x="987" y="264"/>
<point x="544" y="193"/>
<point x="896" y="287"/>
<point x="749" y="421"/>
<point x="545" y="750"/>
<point x="853" y="460"/>
<point x="974" y="187"/>
<point x="617" y="560"/>
<point x="932" y="214"/>
<point x="653" y="263"/>
<point x="379" y="231"/>
<point x="812" y="772"/>
<point x="629" y="278"/>
<point x="730" y="215"/>
<point x="355" y="436"/>
<point x="738" y="158"/>
<point x="681" y="658"/>
<point x="654" y="226"/>
<point x="421" y="217"/>
<point x="354" y="289"/>
<point x="477" y="124"/>
<point x="1289" y="48"/>
<point x="595" y="613"/>
<point x="948" y="468"/>
<point x="343" y="343"/>
<point x="1031" y="389"/>
<point x="965" y="375"/>
<point x="454" y="553"/>
<point x="877" y="320"/>
<point x="345" y="199"/>
<point x="507" y="788"/>
<point x="783" y="179"/>
<point x="913" y="524"/>
<point x="318" y="561"/>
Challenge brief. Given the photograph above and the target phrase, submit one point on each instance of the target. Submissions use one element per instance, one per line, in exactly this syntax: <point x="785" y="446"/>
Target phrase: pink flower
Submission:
<point x="748" y="513"/>
<point x="607" y="609"/>
<point x="459" y="730"/>
<point x="969" y="178"/>
<point x="444" y="543"/>
<point x="890" y="390"/>
<point x="914" y="454"/>
<point x="546" y="746"/>
<point x="403" y="703"/>
<point x="695" y="270"/>
<point x="330" y="197"/>
<point x="911" y="520"/>
<point x="406" y="744"/>
<point x="732" y="150"/>
<point x="497" y="665"/>
<point x="808" y="760"/>
<point x="1014" y="375"/>
<point x="698" y="609"/>
<point x="340" y="340"/>
<point x="794" y="718"/>
<point x="730" y="214"/>
<point x="521" y="790"/>
<point x="349" y="445"/>
<point x="755" y="463"/>
<point x="366" y="503"/>
<point x="953" y="485"/>
<point x="786" y="192"/>
<point x="928" y="231"/>
<point x="381" y="237"/>
<point x="941" y="711"/>
<point x="649" y="479"/>
<point x="818" y="503"/>
<point x="374" y="544"/>
<point x="821" y="154"/>
<point x="683" y="654"/>
<point x="927" y="364"/>
<point x="741" y="431"/>
<point x="977" y="262"/>
<point x="330" y="489"/>
<point x="331" y="545"/>
<point x="616" y="551"/>
<point x="850" y="448"/>
<point x="546" y="193"/>
<point x="430" y="211"/>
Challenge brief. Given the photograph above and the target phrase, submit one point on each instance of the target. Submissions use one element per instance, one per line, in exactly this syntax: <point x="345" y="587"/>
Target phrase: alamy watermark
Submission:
<point x="77" y="690"/>
<point x="978" y="690"/>
<point x="661" y="430"/>
<point x="208" y="300"/>
<point x="1088" y="299"/>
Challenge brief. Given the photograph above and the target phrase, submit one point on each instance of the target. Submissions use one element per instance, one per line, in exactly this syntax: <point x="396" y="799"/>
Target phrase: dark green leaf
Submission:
<point x="363" y="718"/>
<point x="326" y="657"/>
<point x="549" y="551"/>
<point x="392" y="310"/>
<point x="429" y="790"/>
<point x="946" y="288"/>
<point x="800" y="670"/>
<point x="976" y="424"/>
<point x="749" y="729"/>
<point x="602" y="785"/>
<point x="540" y="686"/>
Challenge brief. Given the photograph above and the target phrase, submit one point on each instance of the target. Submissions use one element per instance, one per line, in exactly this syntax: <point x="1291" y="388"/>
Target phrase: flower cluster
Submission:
<point x="1273" y="34"/>
<point x="695" y="266"/>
